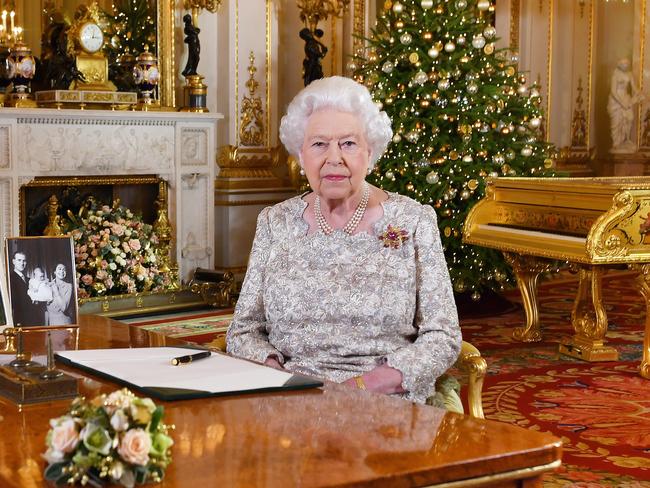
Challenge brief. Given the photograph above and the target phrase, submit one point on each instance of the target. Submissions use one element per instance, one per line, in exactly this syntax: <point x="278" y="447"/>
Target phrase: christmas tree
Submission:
<point x="132" y="26"/>
<point x="461" y="113"/>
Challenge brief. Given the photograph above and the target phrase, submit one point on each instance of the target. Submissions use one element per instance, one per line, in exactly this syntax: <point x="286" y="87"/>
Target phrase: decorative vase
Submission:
<point x="147" y="76"/>
<point x="22" y="67"/>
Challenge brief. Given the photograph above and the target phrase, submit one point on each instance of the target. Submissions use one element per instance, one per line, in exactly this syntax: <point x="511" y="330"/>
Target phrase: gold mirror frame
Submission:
<point x="166" y="55"/>
<point x="165" y="17"/>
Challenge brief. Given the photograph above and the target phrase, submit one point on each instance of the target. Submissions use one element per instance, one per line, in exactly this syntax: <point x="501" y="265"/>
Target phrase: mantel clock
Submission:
<point x="88" y="39"/>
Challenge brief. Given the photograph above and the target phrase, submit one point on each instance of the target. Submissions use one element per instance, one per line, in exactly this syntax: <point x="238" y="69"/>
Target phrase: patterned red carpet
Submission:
<point x="600" y="410"/>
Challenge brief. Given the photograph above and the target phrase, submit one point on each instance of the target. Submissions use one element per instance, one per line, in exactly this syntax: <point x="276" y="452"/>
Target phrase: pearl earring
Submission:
<point x="369" y="170"/>
<point x="302" y="172"/>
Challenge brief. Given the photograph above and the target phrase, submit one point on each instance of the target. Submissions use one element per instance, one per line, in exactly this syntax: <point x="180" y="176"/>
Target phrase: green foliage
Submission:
<point x="132" y="26"/>
<point x="461" y="113"/>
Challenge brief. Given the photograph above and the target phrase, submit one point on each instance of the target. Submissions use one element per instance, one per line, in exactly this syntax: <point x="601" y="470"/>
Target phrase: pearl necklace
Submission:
<point x="352" y="224"/>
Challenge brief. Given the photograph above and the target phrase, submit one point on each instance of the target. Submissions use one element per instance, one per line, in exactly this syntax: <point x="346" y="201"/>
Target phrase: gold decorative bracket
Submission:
<point x="527" y="270"/>
<point x="251" y="132"/>
<point x="589" y="320"/>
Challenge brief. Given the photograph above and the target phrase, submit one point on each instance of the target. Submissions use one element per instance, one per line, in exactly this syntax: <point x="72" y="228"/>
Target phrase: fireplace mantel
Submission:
<point x="176" y="146"/>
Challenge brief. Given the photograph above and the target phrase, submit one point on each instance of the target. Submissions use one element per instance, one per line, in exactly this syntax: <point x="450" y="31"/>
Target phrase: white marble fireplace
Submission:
<point x="177" y="147"/>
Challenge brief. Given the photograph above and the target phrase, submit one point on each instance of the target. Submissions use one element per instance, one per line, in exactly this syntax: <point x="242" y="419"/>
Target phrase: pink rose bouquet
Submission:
<point x="115" y="252"/>
<point x="116" y="438"/>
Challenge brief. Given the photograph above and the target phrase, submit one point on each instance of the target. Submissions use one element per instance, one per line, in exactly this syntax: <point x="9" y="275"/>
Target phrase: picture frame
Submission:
<point x="41" y="281"/>
<point x="5" y="309"/>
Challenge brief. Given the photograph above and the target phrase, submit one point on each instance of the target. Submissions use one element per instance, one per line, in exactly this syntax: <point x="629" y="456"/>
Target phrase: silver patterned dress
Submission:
<point x="337" y="306"/>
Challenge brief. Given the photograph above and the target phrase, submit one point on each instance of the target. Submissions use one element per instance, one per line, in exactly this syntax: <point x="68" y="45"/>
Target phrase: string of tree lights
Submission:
<point x="133" y="26"/>
<point x="461" y="113"/>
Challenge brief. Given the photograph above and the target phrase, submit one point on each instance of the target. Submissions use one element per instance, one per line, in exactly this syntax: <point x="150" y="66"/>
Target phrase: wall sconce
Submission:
<point x="197" y="5"/>
<point x="313" y="11"/>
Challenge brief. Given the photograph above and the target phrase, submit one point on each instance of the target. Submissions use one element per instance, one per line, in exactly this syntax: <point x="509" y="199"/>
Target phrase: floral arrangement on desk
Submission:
<point x="117" y="438"/>
<point x="115" y="252"/>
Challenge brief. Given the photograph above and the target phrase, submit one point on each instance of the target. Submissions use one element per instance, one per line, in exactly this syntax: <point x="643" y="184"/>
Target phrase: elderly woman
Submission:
<point x="348" y="282"/>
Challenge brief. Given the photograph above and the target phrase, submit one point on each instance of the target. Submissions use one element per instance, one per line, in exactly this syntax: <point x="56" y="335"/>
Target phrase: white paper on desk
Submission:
<point x="150" y="367"/>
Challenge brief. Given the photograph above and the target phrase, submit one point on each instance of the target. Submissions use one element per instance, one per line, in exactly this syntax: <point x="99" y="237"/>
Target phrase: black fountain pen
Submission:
<point x="190" y="357"/>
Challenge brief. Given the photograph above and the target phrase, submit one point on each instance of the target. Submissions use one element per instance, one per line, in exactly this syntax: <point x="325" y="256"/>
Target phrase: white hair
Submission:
<point x="339" y="93"/>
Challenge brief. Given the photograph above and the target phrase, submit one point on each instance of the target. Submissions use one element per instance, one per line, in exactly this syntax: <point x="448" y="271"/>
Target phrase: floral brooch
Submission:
<point x="393" y="237"/>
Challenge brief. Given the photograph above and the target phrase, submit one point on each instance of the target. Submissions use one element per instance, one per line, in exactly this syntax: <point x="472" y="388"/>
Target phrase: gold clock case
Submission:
<point x="94" y="67"/>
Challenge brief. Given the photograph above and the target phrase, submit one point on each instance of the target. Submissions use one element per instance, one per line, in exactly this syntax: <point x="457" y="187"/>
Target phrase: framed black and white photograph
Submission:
<point x="41" y="281"/>
<point x="5" y="311"/>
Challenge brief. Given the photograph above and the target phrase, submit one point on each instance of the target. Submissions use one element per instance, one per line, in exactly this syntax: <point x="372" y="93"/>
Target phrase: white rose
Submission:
<point x="119" y="422"/>
<point x="135" y="446"/>
<point x="115" y="251"/>
<point x="112" y="266"/>
<point x="65" y="436"/>
<point x="127" y="233"/>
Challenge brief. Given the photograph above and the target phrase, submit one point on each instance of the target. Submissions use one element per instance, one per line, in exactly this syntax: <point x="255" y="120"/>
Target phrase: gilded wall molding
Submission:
<point x="579" y="122"/>
<point x="515" y="14"/>
<point x="251" y="132"/>
<point x="247" y="168"/>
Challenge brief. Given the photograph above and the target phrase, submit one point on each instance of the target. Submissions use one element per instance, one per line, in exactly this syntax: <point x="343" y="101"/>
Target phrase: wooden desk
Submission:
<point x="334" y="436"/>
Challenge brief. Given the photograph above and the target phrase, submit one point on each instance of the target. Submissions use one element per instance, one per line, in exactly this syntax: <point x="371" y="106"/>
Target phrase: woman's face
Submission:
<point x="59" y="271"/>
<point x="335" y="154"/>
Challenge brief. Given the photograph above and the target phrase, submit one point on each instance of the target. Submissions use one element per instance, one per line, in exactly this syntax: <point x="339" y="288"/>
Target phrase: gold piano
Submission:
<point x="591" y="222"/>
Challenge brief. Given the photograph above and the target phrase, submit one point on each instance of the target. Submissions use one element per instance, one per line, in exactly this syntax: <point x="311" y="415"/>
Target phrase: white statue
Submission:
<point x="623" y="95"/>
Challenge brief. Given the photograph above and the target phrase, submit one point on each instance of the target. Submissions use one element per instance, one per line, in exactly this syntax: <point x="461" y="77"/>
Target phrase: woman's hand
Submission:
<point x="382" y="379"/>
<point x="273" y="362"/>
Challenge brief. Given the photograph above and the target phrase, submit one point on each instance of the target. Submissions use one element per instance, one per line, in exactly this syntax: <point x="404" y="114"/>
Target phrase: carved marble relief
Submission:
<point x="5" y="146"/>
<point x="194" y="147"/>
<point x="95" y="149"/>
<point x="194" y="233"/>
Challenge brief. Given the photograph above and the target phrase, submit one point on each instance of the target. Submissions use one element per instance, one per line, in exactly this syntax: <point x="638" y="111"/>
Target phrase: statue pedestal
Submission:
<point x="626" y="164"/>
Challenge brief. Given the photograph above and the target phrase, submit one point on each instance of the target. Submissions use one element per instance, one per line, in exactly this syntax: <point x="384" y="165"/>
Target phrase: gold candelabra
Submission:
<point x="313" y="11"/>
<point x="195" y="6"/>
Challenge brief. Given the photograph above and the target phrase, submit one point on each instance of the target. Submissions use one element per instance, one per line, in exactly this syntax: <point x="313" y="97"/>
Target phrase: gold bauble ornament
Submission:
<point x="548" y="163"/>
<point x="473" y="184"/>
<point x="414" y="58"/>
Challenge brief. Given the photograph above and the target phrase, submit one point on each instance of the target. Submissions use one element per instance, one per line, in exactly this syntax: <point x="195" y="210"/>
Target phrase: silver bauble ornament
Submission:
<point x="472" y="88"/>
<point x="467" y="158"/>
<point x="461" y="40"/>
<point x="478" y="41"/>
<point x="526" y="151"/>
<point x="433" y="52"/>
<point x="387" y="67"/>
<point x="493" y="174"/>
<point x="461" y="4"/>
<point x="426" y="4"/>
<point x="397" y="138"/>
<point x="535" y="122"/>
<point x="490" y="32"/>
<point x="498" y="159"/>
<point x="534" y="92"/>
<point x="482" y="5"/>
<point x="450" y="47"/>
<point x="433" y="178"/>
<point x="398" y="8"/>
<point x="405" y="39"/>
<point x="464" y="195"/>
<point x="443" y="84"/>
<point x="522" y="90"/>
<point x="420" y="78"/>
<point x="412" y="136"/>
<point x="390" y="175"/>
<point x="510" y="155"/>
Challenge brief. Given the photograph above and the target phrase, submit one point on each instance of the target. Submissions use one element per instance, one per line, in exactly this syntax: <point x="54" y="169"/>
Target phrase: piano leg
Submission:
<point x="644" y="282"/>
<point x="527" y="270"/>
<point x="589" y="320"/>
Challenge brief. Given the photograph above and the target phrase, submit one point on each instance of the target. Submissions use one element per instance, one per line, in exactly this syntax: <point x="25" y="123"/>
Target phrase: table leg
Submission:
<point x="527" y="270"/>
<point x="589" y="320"/>
<point x="644" y="281"/>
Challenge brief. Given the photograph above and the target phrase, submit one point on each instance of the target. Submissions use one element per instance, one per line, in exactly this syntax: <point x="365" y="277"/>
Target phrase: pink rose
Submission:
<point x="135" y="446"/>
<point x="125" y="279"/>
<point x="65" y="436"/>
<point x="101" y="275"/>
<point x="104" y="264"/>
<point x="134" y="244"/>
<point x="87" y="279"/>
